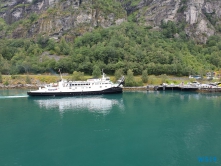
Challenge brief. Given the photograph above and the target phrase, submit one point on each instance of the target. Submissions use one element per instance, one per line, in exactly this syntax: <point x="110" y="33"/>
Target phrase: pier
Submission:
<point x="201" y="88"/>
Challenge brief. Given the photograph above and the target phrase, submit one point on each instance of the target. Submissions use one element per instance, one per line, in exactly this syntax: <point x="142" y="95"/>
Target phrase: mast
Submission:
<point x="60" y="73"/>
<point x="103" y="75"/>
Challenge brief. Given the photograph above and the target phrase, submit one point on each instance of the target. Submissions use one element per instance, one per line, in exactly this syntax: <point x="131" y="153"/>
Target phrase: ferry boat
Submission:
<point x="95" y="86"/>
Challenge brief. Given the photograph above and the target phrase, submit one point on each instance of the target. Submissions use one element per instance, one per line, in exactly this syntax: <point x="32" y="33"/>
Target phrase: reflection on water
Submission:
<point x="188" y="95"/>
<point x="96" y="104"/>
<point x="132" y="128"/>
<point x="12" y="93"/>
<point x="199" y="96"/>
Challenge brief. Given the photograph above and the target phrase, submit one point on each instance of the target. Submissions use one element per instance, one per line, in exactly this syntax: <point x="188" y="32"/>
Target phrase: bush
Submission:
<point x="150" y="80"/>
<point x="13" y="77"/>
<point x="0" y="77"/>
<point x="28" y="80"/>
<point x="175" y="82"/>
<point x="139" y="83"/>
<point x="78" y="76"/>
<point x="6" y="83"/>
<point x="129" y="81"/>
<point x="163" y="78"/>
<point x="144" y="76"/>
<point x="118" y="73"/>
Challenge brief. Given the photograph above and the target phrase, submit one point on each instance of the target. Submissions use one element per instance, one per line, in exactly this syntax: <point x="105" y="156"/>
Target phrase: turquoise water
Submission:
<point x="131" y="129"/>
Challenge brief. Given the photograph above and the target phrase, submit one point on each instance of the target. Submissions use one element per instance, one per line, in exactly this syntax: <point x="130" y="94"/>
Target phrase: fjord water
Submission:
<point x="131" y="129"/>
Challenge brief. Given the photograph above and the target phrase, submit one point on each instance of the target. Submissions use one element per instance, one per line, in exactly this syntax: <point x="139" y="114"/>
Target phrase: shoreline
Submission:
<point x="20" y="86"/>
<point x="34" y="86"/>
<point x="125" y="89"/>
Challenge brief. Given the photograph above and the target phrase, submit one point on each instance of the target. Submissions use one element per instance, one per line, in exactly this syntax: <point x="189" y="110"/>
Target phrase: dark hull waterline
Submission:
<point x="106" y="91"/>
<point x="175" y="88"/>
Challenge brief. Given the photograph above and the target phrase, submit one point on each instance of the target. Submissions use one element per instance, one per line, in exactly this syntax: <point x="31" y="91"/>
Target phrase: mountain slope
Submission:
<point x="55" y="18"/>
<point x="178" y="37"/>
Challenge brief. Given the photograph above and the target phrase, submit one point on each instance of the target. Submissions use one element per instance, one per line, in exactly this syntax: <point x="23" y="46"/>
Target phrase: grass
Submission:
<point x="41" y="79"/>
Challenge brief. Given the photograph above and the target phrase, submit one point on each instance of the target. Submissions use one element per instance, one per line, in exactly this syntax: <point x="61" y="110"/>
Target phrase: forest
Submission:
<point x="128" y="46"/>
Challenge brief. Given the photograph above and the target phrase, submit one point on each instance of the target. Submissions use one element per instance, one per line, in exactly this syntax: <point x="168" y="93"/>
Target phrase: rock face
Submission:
<point x="202" y="17"/>
<point x="74" y="17"/>
<point x="56" y="17"/>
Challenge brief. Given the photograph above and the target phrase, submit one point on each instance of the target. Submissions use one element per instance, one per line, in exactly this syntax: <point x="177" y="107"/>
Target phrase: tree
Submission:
<point x="118" y="73"/>
<point x="96" y="72"/>
<point x="42" y="41"/>
<point x="64" y="47"/>
<point x="78" y="75"/>
<point x="129" y="81"/>
<point x="144" y="76"/>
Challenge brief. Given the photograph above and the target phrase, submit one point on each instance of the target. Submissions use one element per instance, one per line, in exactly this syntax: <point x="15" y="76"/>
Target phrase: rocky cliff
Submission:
<point x="202" y="18"/>
<point x="55" y="18"/>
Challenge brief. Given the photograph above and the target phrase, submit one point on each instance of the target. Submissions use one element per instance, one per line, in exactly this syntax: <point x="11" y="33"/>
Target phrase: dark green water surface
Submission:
<point x="129" y="129"/>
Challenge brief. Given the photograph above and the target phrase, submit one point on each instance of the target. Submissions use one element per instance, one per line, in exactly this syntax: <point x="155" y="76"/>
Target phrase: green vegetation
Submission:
<point x="109" y="7"/>
<point x="28" y="80"/>
<point x="118" y="74"/>
<point x="78" y="76"/>
<point x="96" y="72"/>
<point x="128" y="49"/>
<point x="125" y="47"/>
<point x="144" y="76"/>
<point x="0" y="77"/>
<point x="211" y="17"/>
<point x="6" y="83"/>
<point x="130" y="80"/>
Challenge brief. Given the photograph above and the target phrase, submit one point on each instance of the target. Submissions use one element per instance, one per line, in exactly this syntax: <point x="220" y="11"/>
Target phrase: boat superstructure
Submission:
<point x="71" y="88"/>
